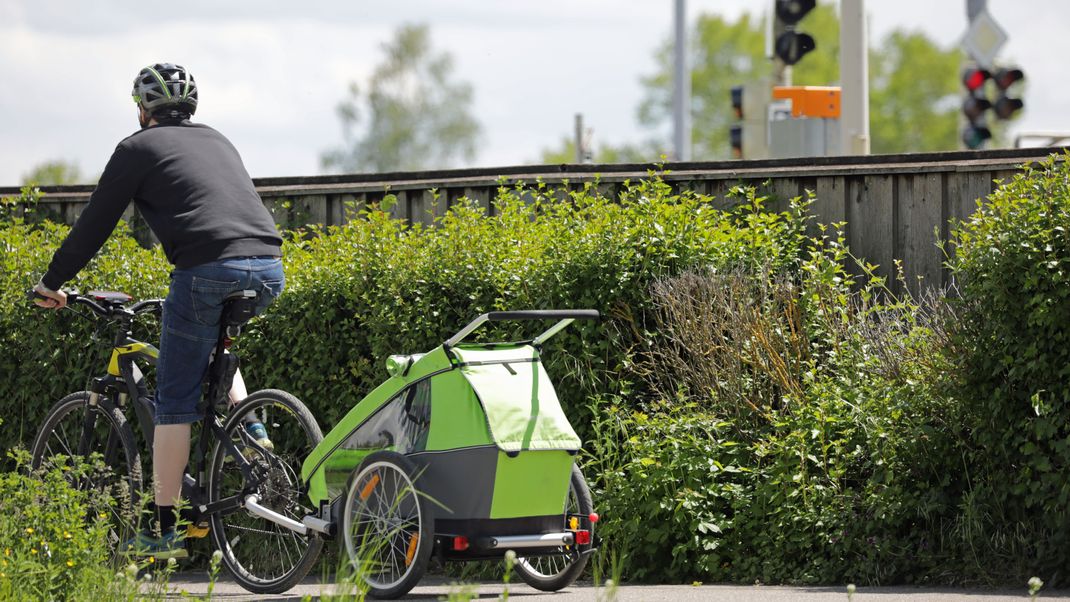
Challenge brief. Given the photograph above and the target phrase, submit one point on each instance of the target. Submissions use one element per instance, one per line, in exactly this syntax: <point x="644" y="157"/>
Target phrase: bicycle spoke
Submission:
<point x="264" y="551"/>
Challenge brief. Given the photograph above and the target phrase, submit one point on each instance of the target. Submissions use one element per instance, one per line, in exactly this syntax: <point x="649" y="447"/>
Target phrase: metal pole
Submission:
<point x="579" y="138"/>
<point x="681" y="114"/>
<point x="854" y="73"/>
<point x="974" y="8"/>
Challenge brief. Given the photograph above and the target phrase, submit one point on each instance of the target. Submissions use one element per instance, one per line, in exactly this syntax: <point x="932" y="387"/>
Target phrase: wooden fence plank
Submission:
<point x="830" y="203"/>
<point x="871" y="218"/>
<point x="920" y="211"/>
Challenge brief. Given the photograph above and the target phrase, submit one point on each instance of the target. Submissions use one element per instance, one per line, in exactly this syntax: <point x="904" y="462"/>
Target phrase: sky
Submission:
<point x="271" y="73"/>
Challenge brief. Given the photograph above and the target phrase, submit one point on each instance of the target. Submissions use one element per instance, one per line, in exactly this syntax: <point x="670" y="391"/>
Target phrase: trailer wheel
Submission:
<point x="387" y="525"/>
<point x="552" y="573"/>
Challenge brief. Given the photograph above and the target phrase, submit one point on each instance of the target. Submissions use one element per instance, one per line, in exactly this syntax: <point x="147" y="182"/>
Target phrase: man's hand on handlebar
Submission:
<point x="49" y="298"/>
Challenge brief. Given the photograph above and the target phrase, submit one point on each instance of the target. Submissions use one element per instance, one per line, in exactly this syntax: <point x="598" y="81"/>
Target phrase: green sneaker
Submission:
<point x="170" y="545"/>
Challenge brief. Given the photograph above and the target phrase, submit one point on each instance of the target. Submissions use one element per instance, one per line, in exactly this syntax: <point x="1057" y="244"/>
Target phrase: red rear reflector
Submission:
<point x="593" y="517"/>
<point x="460" y="543"/>
<point x="583" y="538"/>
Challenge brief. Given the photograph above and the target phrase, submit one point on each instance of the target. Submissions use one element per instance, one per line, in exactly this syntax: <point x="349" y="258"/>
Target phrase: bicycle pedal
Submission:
<point x="196" y="532"/>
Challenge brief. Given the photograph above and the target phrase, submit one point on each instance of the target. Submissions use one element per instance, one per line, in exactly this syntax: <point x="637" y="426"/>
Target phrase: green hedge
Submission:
<point x="377" y="286"/>
<point x="46" y="355"/>
<point x="1012" y="356"/>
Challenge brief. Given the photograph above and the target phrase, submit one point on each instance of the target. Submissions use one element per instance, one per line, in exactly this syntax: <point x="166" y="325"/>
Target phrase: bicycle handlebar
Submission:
<point x="104" y="312"/>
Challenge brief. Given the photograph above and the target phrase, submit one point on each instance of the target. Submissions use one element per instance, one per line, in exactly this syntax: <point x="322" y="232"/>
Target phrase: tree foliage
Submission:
<point x="54" y="173"/>
<point x="412" y="114"/>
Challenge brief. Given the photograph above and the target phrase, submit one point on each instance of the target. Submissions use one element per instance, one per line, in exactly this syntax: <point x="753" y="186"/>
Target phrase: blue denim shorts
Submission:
<point x="190" y="326"/>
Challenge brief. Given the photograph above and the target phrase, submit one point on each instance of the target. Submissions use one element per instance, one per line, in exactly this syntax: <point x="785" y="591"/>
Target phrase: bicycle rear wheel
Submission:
<point x="266" y="558"/>
<point x="557" y="571"/>
<point x="100" y="436"/>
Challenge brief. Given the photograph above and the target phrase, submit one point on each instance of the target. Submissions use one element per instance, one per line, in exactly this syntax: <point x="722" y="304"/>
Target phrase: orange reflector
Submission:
<point x="583" y="537"/>
<point x="593" y="517"/>
<point x="460" y="543"/>
<point x="367" y="491"/>
<point x="573" y="523"/>
<point x="411" y="552"/>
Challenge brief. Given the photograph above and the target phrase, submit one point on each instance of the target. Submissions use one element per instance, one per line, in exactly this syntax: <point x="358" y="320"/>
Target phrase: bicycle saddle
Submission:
<point x="239" y="307"/>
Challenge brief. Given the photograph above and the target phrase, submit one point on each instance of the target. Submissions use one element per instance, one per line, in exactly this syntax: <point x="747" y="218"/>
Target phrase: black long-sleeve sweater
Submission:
<point x="191" y="186"/>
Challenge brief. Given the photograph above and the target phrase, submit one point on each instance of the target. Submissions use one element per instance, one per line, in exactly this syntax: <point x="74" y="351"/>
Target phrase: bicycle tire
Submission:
<point x="251" y="565"/>
<point x="119" y="449"/>
<point x="552" y="573"/>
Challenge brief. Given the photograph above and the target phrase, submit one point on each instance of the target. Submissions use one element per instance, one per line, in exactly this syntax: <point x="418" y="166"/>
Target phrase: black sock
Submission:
<point x="165" y="516"/>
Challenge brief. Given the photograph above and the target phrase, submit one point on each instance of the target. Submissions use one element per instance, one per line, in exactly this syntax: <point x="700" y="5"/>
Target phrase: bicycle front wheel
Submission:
<point x="99" y="436"/>
<point x="264" y="557"/>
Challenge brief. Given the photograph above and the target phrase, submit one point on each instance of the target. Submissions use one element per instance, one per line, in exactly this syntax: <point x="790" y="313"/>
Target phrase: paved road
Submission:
<point x="435" y="589"/>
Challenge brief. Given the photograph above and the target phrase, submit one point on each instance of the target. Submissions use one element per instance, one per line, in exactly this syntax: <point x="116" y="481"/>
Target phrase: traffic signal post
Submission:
<point x="982" y="42"/>
<point x="781" y="120"/>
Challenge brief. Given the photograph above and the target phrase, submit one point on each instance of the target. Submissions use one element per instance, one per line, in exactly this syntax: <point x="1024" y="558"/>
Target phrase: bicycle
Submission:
<point x="251" y="500"/>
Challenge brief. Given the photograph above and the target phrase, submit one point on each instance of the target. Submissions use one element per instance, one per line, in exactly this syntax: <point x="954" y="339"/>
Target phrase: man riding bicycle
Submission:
<point x="190" y="185"/>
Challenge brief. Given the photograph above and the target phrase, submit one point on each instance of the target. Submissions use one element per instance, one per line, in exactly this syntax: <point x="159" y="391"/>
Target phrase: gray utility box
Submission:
<point x="804" y="137"/>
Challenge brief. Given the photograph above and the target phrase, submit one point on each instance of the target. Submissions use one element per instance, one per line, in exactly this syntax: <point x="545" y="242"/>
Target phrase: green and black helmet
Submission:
<point x="165" y="87"/>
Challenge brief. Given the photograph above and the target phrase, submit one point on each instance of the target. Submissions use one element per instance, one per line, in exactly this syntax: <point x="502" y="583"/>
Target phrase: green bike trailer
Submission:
<point x="465" y="453"/>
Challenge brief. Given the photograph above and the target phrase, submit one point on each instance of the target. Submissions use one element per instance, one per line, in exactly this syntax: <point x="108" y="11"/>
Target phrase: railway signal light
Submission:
<point x="974" y="105"/>
<point x="974" y="136"/>
<point x="1006" y="106"/>
<point x="974" y="78"/>
<point x="735" y="138"/>
<point x="735" y="132"/>
<point x="791" y="45"/>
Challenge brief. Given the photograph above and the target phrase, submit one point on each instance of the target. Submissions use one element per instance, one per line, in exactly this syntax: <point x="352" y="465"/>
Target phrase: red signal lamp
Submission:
<point x="974" y="78"/>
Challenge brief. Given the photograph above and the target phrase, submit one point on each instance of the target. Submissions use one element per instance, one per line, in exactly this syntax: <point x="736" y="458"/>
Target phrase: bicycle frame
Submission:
<point x="125" y="381"/>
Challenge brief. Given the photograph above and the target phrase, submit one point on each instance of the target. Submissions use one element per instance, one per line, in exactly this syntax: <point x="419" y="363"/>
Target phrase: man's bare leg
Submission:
<point x="170" y="454"/>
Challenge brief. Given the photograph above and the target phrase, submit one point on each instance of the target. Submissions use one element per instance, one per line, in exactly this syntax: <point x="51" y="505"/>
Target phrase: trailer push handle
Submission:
<point x="563" y="316"/>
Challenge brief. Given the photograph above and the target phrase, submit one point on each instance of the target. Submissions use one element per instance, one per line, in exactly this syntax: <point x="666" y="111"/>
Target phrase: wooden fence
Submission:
<point x="895" y="207"/>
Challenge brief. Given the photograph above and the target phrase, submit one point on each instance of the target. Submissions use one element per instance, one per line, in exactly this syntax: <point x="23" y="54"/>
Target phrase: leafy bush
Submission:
<point x="50" y="548"/>
<point x="46" y="355"/>
<point x="797" y="435"/>
<point x="378" y="286"/>
<point x="1012" y="264"/>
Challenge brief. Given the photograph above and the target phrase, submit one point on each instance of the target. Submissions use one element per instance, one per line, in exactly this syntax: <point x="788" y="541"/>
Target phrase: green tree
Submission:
<point x="418" y="117"/>
<point x="913" y="95"/>
<point x="913" y="82"/>
<point x="54" y="173"/>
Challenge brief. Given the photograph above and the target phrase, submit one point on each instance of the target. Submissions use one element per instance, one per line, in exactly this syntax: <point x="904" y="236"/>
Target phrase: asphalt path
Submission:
<point x="435" y="588"/>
